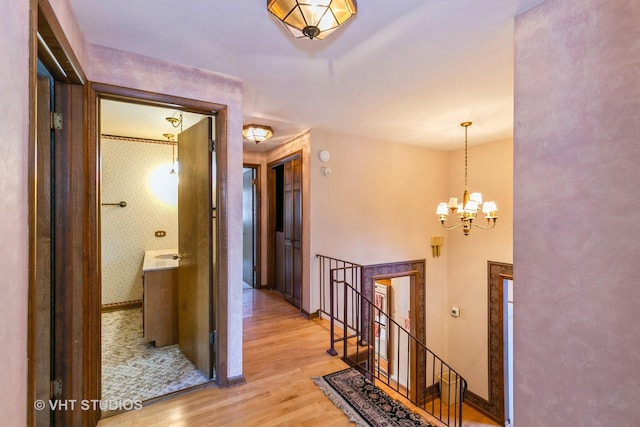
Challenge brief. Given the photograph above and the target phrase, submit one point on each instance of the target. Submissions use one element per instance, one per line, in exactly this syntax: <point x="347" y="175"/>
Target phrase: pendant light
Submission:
<point x="471" y="202"/>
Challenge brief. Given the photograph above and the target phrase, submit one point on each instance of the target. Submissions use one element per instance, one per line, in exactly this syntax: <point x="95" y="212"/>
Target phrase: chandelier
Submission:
<point x="257" y="133"/>
<point x="312" y="18"/>
<point x="467" y="211"/>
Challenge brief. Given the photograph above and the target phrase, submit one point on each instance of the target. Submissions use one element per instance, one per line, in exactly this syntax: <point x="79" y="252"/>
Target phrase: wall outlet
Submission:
<point x="455" y="311"/>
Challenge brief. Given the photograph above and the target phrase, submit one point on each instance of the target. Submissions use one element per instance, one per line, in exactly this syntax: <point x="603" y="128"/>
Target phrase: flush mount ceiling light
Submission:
<point x="471" y="202"/>
<point x="312" y="18"/>
<point x="257" y="133"/>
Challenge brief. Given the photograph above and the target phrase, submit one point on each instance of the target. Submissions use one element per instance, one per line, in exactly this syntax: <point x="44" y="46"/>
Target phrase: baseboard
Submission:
<point x="481" y="405"/>
<point x="234" y="381"/>
<point x="310" y="316"/>
<point x="124" y="305"/>
<point x="430" y="393"/>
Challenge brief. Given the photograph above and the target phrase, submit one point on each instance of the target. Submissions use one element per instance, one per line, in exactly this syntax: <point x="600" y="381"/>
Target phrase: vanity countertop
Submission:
<point x="160" y="259"/>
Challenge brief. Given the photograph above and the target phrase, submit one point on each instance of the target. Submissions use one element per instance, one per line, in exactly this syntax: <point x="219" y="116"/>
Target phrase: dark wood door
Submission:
<point x="293" y="231"/>
<point x="195" y="284"/>
<point x="40" y="325"/>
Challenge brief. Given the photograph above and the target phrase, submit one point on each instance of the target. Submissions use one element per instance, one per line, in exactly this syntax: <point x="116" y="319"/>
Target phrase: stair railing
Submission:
<point x="381" y="348"/>
<point x="337" y="270"/>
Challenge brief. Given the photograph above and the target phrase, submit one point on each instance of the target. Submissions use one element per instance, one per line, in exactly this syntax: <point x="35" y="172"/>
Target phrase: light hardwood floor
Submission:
<point x="282" y="351"/>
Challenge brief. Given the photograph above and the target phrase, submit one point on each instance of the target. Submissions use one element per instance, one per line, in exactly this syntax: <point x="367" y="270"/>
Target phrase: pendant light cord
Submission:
<point x="466" y="156"/>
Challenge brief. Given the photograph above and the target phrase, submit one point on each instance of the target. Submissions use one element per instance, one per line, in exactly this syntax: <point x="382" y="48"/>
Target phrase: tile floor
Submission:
<point x="136" y="370"/>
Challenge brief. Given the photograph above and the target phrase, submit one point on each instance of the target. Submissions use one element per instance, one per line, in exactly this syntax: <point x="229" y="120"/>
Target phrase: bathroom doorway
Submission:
<point x="156" y="319"/>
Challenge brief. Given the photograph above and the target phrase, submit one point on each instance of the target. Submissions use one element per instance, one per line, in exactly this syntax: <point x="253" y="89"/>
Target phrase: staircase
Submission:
<point x="400" y="361"/>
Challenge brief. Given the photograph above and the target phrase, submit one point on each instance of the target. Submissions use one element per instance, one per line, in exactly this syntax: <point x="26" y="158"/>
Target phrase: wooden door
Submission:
<point x="293" y="231"/>
<point x="40" y="325"/>
<point x="195" y="272"/>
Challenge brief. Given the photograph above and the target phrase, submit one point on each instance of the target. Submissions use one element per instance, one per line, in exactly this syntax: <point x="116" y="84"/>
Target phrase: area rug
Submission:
<point x="364" y="403"/>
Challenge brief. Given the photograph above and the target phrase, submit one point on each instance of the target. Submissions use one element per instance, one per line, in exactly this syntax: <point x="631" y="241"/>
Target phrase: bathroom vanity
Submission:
<point x="160" y="297"/>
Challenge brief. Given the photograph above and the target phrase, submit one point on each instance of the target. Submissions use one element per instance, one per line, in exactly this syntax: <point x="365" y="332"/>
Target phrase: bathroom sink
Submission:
<point x="161" y="259"/>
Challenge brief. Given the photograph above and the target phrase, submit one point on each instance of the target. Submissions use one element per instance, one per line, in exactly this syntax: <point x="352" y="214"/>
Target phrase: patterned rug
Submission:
<point x="364" y="403"/>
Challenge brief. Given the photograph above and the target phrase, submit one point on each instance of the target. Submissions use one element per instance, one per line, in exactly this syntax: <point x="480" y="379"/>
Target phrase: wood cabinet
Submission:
<point x="160" y="306"/>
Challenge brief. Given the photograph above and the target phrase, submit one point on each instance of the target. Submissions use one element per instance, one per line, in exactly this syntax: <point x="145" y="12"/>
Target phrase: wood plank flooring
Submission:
<point x="282" y="351"/>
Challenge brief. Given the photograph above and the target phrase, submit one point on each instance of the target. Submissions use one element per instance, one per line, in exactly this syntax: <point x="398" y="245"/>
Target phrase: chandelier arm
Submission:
<point x="489" y="225"/>
<point x="450" y="227"/>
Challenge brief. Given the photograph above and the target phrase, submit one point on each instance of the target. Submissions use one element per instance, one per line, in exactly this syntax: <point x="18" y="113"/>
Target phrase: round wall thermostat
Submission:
<point x="324" y="155"/>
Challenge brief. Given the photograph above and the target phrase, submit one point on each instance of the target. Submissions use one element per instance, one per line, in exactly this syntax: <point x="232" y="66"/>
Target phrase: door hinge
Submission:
<point x="56" y="120"/>
<point x="212" y="337"/>
<point x="212" y="145"/>
<point x="56" y="389"/>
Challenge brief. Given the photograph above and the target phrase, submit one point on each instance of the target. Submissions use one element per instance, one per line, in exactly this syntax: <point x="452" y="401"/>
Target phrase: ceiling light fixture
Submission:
<point x="169" y="137"/>
<point x="471" y="202"/>
<point x="257" y="133"/>
<point x="312" y="18"/>
<point x="175" y="122"/>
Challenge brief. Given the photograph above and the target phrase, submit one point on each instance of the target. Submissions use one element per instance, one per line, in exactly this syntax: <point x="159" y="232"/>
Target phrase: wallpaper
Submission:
<point x="137" y="173"/>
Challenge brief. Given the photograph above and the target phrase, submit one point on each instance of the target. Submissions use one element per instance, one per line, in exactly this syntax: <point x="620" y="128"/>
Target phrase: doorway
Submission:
<point x="250" y="225"/>
<point x="392" y="297"/>
<point x="285" y="223"/>
<point x="158" y="248"/>
<point x="407" y="280"/>
<point x="499" y="404"/>
<point x="508" y="348"/>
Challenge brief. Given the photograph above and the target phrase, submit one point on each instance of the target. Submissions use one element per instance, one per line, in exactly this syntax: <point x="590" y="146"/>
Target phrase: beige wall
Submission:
<point x="491" y="172"/>
<point x="14" y="104"/>
<point x="577" y="169"/>
<point x="378" y="205"/>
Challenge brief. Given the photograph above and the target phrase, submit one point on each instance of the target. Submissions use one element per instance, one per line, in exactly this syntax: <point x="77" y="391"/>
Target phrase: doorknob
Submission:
<point x="178" y="257"/>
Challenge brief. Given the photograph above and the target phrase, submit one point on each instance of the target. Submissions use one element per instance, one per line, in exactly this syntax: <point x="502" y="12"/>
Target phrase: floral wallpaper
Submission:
<point x="137" y="173"/>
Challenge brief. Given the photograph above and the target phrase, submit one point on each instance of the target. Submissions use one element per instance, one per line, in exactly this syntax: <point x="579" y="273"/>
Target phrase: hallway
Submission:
<point x="282" y="351"/>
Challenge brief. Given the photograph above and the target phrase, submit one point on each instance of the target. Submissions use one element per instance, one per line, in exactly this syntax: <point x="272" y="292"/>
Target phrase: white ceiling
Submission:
<point x="403" y="71"/>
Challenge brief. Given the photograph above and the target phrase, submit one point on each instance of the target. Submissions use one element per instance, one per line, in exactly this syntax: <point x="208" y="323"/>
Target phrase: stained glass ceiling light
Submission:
<point x="257" y="133"/>
<point x="314" y="19"/>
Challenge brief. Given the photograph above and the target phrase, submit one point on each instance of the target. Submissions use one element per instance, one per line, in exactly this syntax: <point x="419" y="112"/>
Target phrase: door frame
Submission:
<point x="257" y="238"/>
<point x="271" y="215"/>
<point x="97" y="91"/>
<point x="495" y="407"/>
<point x="416" y="270"/>
<point x="48" y="43"/>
